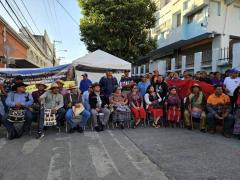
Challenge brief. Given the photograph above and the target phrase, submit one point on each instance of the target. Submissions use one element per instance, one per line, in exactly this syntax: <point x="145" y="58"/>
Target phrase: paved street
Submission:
<point x="144" y="153"/>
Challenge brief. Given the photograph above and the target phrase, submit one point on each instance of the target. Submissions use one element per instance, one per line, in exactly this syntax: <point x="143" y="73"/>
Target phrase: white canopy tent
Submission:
<point x="97" y="63"/>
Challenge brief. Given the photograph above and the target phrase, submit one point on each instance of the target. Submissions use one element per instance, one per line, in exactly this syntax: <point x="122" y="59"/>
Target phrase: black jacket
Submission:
<point x="93" y="100"/>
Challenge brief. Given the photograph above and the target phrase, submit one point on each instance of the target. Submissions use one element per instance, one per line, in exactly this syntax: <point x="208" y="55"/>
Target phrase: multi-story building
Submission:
<point x="41" y="51"/>
<point x="25" y="50"/>
<point x="194" y="35"/>
<point x="13" y="49"/>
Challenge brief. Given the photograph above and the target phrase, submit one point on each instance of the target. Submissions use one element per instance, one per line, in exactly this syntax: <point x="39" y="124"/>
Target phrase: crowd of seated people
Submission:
<point x="151" y="98"/>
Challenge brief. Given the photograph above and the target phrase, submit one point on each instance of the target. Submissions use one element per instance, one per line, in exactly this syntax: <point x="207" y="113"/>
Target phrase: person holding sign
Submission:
<point x="74" y="109"/>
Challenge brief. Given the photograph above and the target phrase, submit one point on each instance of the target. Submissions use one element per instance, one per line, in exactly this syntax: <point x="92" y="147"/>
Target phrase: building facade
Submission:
<point x="25" y="50"/>
<point x="194" y="35"/>
<point x="13" y="49"/>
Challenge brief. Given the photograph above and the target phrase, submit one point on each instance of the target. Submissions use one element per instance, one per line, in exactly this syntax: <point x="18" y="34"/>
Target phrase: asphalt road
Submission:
<point x="144" y="153"/>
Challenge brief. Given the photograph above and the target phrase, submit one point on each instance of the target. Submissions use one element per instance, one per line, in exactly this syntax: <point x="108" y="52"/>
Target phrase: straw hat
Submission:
<point x="54" y="85"/>
<point x="59" y="81"/>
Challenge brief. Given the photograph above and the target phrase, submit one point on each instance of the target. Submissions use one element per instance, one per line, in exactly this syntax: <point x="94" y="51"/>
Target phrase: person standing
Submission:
<point x="126" y="82"/>
<point x="108" y="83"/>
<point x="143" y="85"/>
<point x="85" y="83"/>
<point x="231" y="83"/>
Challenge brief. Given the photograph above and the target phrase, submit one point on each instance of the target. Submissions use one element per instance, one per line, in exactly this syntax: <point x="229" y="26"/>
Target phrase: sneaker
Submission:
<point x="203" y="130"/>
<point x="80" y="130"/>
<point x="40" y="135"/>
<point x="71" y="130"/>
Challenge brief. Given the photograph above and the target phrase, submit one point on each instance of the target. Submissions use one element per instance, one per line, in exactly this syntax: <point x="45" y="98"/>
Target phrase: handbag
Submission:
<point x="16" y="115"/>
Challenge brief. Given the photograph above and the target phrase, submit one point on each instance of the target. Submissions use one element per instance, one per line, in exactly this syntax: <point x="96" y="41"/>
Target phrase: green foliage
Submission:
<point x="119" y="27"/>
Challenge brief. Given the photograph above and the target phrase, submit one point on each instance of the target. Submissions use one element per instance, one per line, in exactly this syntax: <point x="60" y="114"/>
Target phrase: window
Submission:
<point x="195" y="17"/>
<point x="185" y="5"/>
<point x="215" y="8"/>
<point x="178" y="19"/>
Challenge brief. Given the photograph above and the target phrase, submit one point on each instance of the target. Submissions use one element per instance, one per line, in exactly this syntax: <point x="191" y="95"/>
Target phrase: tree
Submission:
<point x="119" y="27"/>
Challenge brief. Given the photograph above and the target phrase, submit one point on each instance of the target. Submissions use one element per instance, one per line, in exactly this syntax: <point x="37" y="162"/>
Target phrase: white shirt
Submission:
<point x="231" y="84"/>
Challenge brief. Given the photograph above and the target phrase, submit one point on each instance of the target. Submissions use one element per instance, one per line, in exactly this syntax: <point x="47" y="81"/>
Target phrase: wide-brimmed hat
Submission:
<point x="39" y="84"/>
<point x="60" y="81"/>
<point x="54" y="85"/>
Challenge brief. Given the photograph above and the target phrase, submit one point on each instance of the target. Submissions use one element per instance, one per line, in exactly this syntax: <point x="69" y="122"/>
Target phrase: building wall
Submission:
<point x="17" y="48"/>
<point x="185" y="19"/>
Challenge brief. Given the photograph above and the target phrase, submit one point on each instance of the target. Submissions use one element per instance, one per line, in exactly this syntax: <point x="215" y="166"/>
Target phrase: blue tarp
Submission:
<point x="32" y="71"/>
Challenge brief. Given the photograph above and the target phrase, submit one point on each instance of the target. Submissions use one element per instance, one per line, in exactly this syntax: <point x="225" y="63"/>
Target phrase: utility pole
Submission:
<point x="54" y="52"/>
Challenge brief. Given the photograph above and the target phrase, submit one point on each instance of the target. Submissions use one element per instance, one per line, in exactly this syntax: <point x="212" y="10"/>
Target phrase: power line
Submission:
<point x="23" y="16"/>
<point x="30" y="16"/>
<point x="68" y="13"/>
<point x="51" y="14"/>
<point x="55" y="12"/>
<point x="23" y="27"/>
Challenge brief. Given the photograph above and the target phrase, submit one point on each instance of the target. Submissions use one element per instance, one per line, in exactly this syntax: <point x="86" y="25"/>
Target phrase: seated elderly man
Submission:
<point x="53" y="100"/>
<point x="17" y="101"/>
<point x="75" y="108"/>
<point x="195" y="108"/>
<point x="219" y="108"/>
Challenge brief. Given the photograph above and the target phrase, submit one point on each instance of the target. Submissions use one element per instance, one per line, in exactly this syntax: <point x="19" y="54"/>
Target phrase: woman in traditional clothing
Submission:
<point x="154" y="105"/>
<point x="121" y="112"/>
<point x="173" y="107"/>
<point x="236" y="97"/>
<point x="135" y="101"/>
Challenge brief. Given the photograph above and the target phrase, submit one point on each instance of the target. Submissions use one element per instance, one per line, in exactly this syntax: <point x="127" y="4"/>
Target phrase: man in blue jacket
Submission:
<point x="85" y="83"/>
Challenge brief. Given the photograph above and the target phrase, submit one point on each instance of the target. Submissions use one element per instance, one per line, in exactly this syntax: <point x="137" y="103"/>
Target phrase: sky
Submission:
<point x="50" y="16"/>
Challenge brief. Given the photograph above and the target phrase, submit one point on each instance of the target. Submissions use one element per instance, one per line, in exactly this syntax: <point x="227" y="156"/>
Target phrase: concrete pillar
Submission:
<point x="197" y="62"/>
<point x="134" y="70"/>
<point x="183" y="64"/>
<point x="161" y="66"/>
<point x="236" y="55"/>
<point x="144" y="69"/>
<point x="215" y="58"/>
<point x="139" y="70"/>
<point x="173" y="64"/>
<point x="219" y="43"/>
